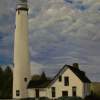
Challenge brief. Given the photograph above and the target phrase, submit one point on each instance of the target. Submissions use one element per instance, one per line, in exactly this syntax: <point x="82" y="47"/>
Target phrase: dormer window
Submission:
<point x="60" y="78"/>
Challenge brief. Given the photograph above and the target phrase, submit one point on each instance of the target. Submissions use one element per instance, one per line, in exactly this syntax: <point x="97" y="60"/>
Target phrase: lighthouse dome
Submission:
<point x="22" y="4"/>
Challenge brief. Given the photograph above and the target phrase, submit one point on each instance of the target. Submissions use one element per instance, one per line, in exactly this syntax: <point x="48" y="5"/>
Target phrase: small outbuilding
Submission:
<point x="69" y="81"/>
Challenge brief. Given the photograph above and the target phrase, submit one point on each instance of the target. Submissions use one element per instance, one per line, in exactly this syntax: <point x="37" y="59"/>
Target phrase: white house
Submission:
<point x="70" y="81"/>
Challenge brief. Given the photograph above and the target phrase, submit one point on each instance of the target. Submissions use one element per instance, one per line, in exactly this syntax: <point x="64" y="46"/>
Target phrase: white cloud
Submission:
<point x="36" y="68"/>
<point x="59" y="32"/>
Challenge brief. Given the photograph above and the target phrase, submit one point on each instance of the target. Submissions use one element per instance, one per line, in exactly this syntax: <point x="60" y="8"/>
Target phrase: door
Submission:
<point x="37" y="93"/>
<point x="53" y="92"/>
<point x="73" y="91"/>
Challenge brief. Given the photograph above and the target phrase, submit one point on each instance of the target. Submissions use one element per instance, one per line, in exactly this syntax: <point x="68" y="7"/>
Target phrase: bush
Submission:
<point x="92" y="97"/>
<point x="69" y="98"/>
<point x="44" y="98"/>
<point x="41" y="98"/>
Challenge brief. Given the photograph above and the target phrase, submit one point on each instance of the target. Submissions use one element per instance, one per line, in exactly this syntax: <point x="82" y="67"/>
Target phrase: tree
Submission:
<point x="43" y="76"/>
<point x="7" y="83"/>
<point x="1" y="80"/>
<point x="36" y="77"/>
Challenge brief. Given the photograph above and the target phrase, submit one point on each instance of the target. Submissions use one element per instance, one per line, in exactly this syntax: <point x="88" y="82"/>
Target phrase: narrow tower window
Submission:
<point x="15" y="26"/>
<point x="25" y="79"/>
<point x="18" y="12"/>
<point x="17" y="93"/>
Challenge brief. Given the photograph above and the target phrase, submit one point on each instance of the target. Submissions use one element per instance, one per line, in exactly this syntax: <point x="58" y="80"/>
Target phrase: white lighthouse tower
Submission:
<point x="21" y="72"/>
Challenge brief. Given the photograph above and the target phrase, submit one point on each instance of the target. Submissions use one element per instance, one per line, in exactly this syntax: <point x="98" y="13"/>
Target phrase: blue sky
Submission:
<point x="60" y="32"/>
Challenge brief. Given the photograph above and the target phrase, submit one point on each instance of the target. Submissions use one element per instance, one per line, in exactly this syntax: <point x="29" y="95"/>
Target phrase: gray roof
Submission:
<point x="45" y="83"/>
<point x="80" y="74"/>
<point x="38" y="83"/>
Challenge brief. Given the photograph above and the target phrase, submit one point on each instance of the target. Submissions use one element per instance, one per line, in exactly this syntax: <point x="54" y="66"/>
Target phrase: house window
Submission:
<point x="53" y="92"/>
<point x="60" y="78"/>
<point x="64" y="93"/>
<point x="66" y="81"/>
<point x="17" y="93"/>
<point x="25" y="79"/>
<point x="74" y="89"/>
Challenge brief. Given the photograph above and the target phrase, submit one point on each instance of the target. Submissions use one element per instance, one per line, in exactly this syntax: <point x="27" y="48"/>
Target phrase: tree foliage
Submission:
<point x="43" y="76"/>
<point x="6" y="78"/>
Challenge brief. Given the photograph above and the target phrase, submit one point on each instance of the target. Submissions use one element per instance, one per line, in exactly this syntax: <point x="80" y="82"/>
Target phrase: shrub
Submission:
<point x="69" y="98"/>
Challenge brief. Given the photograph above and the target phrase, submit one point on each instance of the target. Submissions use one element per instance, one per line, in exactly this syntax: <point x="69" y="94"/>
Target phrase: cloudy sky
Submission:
<point x="60" y="32"/>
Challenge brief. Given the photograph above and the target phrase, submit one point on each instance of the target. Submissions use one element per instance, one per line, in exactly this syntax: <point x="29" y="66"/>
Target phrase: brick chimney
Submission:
<point x="76" y="65"/>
